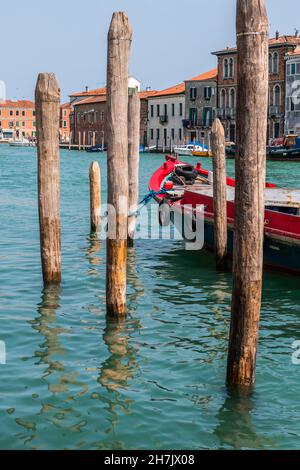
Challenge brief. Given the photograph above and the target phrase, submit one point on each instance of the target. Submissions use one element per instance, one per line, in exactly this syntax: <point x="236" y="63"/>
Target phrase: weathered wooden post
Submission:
<point x="83" y="140"/>
<point x="79" y="140"/>
<point x="134" y="109"/>
<point x="94" y="138"/>
<point x="70" y="140"/>
<point x="252" y="101"/>
<point x="219" y="190"/>
<point x="47" y="99"/>
<point x="119" y="44"/>
<point x="95" y="196"/>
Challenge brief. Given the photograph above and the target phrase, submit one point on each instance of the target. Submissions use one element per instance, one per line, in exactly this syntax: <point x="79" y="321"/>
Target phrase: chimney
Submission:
<point x="86" y="89"/>
<point x="148" y="88"/>
<point x="277" y="34"/>
<point x="296" y="32"/>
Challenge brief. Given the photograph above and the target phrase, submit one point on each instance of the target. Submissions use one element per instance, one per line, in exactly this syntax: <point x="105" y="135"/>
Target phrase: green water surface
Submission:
<point x="73" y="380"/>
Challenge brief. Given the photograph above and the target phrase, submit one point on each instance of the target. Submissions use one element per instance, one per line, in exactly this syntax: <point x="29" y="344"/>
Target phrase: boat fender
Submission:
<point x="187" y="171"/>
<point x="164" y="213"/>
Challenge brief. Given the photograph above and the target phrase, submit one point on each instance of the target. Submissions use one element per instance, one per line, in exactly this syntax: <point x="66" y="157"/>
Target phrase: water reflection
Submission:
<point x="121" y="365"/>
<point x="92" y="251"/>
<point x="137" y="287"/>
<point x="236" y="429"/>
<point x="47" y="326"/>
<point x="62" y="383"/>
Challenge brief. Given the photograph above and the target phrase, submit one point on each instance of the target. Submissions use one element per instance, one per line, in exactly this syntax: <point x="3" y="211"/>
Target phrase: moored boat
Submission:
<point x="22" y="143"/>
<point x="282" y="210"/>
<point x="187" y="150"/>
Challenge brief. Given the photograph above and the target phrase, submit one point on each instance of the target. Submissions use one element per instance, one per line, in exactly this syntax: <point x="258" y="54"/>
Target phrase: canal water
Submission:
<point x="73" y="380"/>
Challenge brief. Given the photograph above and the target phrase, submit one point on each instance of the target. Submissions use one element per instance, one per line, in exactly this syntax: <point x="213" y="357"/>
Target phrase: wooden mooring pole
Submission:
<point x="119" y="45"/>
<point x="134" y="107"/>
<point x="47" y="100"/>
<point x="95" y="196"/>
<point x="252" y="102"/>
<point x="219" y="190"/>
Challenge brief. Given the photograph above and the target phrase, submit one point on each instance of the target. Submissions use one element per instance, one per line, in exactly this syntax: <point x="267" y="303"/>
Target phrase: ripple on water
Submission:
<point x="76" y="381"/>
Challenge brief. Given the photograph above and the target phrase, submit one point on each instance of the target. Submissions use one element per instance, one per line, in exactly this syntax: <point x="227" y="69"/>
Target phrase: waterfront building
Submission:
<point x="166" y="112"/>
<point x="88" y="118"/>
<point x="279" y="47"/>
<point x="64" y="122"/>
<point x="17" y="119"/>
<point x="292" y="107"/>
<point x="200" y="106"/>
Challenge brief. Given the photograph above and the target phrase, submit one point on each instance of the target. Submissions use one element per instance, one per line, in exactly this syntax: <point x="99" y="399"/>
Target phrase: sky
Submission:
<point x="172" y="40"/>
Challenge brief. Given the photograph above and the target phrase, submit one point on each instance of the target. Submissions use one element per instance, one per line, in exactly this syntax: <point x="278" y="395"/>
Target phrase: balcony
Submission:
<point x="226" y="113"/>
<point x="194" y="123"/>
<point x="275" y="111"/>
<point x="163" y="119"/>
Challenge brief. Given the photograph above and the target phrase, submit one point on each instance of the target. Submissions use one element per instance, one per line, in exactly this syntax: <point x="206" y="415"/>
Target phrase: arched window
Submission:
<point x="276" y="95"/>
<point x="223" y="98"/>
<point x="231" y="68"/>
<point x="275" y="62"/>
<point x="270" y="62"/>
<point x="231" y="98"/>
<point x="225" y="68"/>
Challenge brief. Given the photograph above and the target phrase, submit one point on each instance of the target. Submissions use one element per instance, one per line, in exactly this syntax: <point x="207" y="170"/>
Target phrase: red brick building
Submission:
<point x="88" y="119"/>
<point x="227" y="85"/>
<point x="17" y="119"/>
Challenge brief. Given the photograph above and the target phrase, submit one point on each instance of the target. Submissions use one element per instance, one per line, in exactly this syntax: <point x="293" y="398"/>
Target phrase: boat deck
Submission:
<point x="273" y="196"/>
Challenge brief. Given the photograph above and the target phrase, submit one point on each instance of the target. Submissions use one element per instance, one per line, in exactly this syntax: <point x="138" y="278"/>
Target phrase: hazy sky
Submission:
<point x="172" y="39"/>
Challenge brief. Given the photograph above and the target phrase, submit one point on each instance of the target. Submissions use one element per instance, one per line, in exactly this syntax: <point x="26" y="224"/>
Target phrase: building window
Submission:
<point x="207" y="92"/>
<point x="65" y="123"/>
<point x="11" y="113"/>
<point x="151" y="134"/>
<point x="180" y="109"/>
<point x="33" y="113"/>
<point x="152" y="110"/>
<point x="276" y="95"/>
<point x="157" y="110"/>
<point x="180" y="134"/>
<point x="232" y="98"/>
<point x="17" y="113"/>
<point x="157" y="134"/>
<point x="165" y="110"/>
<point x="23" y="124"/>
<point x="275" y="62"/>
<point x="225" y="68"/>
<point x="173" y="134"/>
<point x="223" y="98"/>
<point x="173" y="109"/>
<point x="193" y="93"/>
<point x="165" y="137"/>
<point x="65" y="113"/>
<point x="231" y="68"/>
<point x="23" y="113"/>
<point x="17" y="124"/>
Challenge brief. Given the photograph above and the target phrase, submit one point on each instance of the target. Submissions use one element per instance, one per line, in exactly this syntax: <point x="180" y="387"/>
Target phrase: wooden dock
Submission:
<point x="74" y="147"/>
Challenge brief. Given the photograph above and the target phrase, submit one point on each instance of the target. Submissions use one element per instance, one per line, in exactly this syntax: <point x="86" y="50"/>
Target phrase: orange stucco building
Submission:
<point x="17" y="119"/>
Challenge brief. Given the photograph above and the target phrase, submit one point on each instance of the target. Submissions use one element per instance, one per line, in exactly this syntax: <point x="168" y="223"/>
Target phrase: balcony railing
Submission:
<point x="226" y="113"/>
<point x="275" y="111"/>
<point x="163" y="119"/>
<point x="192" y="123"/>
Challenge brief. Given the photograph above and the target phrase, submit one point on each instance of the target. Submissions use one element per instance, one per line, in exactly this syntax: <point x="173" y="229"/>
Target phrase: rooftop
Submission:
<point x="102" y="98"/>
<point x="285" y="40"/>
<point x="95" y="92"/>
<point x="17" y="104"/>
<point x="295" y="52"/>
<point x="173" y="90"/>
<point x="210" y="75"/>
